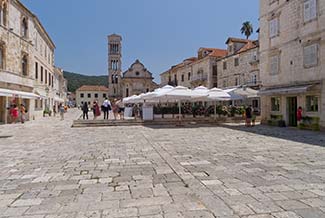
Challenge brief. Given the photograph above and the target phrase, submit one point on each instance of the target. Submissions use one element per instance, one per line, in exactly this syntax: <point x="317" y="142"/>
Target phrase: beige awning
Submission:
<point x="287" y="90"/>
<point x="19" y="94"/>
<point x="57" y="99"/>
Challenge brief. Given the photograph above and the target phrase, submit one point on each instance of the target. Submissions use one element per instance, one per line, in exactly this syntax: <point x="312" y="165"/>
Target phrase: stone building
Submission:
<point x="240" y="66"/>
<point x="90" y="94"/>
<point x="292" y="59"/>
<point x="195" y="71"/>
<point x="137" y="79"/>
<point x="26" y="61"/>
<point x="60" y="89"/>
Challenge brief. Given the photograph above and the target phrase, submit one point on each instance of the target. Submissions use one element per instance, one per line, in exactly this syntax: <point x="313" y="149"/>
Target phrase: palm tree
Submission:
<point x="247" y="29"/>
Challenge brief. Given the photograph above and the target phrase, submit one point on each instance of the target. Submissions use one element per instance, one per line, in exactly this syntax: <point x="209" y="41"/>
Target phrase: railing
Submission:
<point x="200" y="78"/>
<point x="253" y="83"/>
<point x="254" y="60"/>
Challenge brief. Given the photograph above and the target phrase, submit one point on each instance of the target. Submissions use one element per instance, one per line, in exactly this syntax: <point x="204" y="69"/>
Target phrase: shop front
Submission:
<point x="10" y="98"/>
<point x="280" y="106"/>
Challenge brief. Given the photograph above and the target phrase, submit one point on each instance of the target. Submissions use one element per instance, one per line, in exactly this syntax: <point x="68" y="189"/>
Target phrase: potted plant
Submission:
<point x="47" y="111"/>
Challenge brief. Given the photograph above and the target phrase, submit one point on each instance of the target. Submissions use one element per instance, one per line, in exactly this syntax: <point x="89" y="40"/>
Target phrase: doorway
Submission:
<point x="292" y="110"/>
<point x="2" y="110"/>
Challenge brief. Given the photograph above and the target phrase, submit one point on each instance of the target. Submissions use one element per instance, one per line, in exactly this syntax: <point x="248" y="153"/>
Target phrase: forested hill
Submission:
<point x="76" y="80"/>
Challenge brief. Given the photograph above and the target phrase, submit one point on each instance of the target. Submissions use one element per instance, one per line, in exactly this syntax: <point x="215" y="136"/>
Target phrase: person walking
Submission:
<point x="54" y="110"/>
<point x="121" y="109"/>
<point x="254" y="115"/>
<point x="106" y="108"/>
<point x="85" y="110"/>
<point x="61" y="110"/>
<point x="248" y="113"/>
<point x="22" y="113"/>
<point x="96" y="110"/>
<point x="299" y="115"/>
<point x="14" y="113"/>
<point x="115" y="109"/>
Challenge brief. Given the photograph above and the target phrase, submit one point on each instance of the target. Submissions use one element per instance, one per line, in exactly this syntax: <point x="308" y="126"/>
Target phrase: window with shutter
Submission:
<point x="310" y="10"/>
<point x="274" y="65"/>
<point x="274" y="27"/>
<point x="311" y="55"/>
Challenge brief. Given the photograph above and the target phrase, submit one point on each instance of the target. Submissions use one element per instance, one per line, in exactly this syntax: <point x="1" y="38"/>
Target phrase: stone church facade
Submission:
<point x="136" y="80"/>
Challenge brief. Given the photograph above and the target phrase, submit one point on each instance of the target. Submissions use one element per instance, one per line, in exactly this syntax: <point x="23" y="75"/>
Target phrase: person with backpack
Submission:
<point x="106" y="108"/>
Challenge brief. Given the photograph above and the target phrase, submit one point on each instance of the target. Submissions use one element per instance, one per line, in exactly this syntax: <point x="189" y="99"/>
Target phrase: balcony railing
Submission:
<point x="255" y="60"/>
<point x="200" y="78"/>
<point x="253" y="83"/>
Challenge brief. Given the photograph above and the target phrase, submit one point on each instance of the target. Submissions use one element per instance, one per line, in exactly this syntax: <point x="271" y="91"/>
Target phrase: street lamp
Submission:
<point x="47" y="90"/>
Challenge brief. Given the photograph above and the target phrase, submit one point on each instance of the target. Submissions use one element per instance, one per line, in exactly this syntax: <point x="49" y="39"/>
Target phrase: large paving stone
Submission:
<point x="49" y="170"/>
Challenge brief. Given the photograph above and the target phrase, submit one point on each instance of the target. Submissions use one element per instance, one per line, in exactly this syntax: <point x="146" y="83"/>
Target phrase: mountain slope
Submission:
<point x="76" y="80"/>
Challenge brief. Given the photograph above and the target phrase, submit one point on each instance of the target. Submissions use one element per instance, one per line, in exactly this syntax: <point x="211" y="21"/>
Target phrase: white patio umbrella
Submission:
<point x="233" y="95"/>
<point x="215" y="95"/>
<point x="137" y="99"/>
<point x="153" y="96"/>
<point x="179" y="93"/>
<point x="201" y="90"/>
<point x="128" y="100"/>
<point x="246" y="92"/>
<point x="239" y="93"/>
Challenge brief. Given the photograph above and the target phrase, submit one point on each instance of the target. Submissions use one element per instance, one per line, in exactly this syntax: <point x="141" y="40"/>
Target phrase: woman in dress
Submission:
<point x="96" y="110"/>
<point x="14" y="113"/>
<point x="115" y="109"/>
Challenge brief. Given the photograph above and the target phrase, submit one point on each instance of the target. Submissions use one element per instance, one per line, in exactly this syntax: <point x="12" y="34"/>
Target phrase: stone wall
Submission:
<point x="294" y="34"/>
<point x="200" y="73"/>
<point x="241" y="74"/>
<point x="80" y="100"/>
<point x="37" y="46"/>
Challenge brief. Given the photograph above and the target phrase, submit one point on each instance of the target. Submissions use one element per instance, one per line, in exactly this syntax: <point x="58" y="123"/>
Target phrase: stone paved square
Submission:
<point x="49" y="169"/>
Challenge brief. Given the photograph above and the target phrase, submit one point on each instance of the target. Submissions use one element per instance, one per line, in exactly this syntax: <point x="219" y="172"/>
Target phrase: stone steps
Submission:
<point x="157" y="122"/>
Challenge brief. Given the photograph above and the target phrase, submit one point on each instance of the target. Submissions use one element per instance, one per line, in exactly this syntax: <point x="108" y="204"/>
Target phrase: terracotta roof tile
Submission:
<point x="249" y="45"/>
<point x="232" y="39"/>
<point x="215" y="52"/>
<point x="191" y="59"/>
<point x="93" y="88"/>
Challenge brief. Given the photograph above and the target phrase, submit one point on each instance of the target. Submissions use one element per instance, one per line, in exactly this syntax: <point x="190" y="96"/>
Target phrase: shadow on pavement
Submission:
<point x="292" y="134"/>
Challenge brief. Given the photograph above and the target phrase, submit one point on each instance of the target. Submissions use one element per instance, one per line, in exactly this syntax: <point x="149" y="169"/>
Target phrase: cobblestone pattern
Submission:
<point x="49" y="170"/>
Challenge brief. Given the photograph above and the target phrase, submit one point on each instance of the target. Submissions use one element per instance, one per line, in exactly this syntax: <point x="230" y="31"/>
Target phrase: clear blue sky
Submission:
<point x="160" y="33"/>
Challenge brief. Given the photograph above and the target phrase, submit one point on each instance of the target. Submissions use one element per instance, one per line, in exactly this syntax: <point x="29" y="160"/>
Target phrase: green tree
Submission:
<point x="247" y="29"/>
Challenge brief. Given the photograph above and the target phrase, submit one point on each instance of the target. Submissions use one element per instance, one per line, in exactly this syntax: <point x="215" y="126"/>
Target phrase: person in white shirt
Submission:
<point x="106" y="108"/>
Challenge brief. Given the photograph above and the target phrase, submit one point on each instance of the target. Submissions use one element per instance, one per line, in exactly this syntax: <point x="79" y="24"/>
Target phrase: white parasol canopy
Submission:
<point x="151" y="96"/>
<point x="179" y="93"/>
<point x="128" y="100"/>
<point x="201" y="90"/>
<point x="240" y="93"/>
<point x="216" y="94"/>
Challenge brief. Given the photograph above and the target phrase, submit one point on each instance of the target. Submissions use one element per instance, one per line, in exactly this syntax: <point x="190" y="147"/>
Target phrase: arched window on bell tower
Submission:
<point x="116" y="79"/>
<point x="112" y="79"/>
